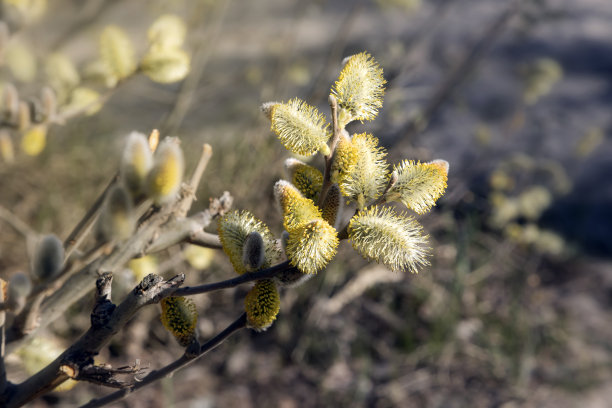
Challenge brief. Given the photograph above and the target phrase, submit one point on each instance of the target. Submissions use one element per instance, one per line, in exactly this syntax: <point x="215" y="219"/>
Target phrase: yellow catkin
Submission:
<point x="167" y="31"/>
<point x="360" y="168"/>
<point x="296" y="208"/>
<point x="419" y="185"/>
<point x="34" y="140"/>
<point x="164" y="179"/>
<point x="311" y="246"/>
<point x="262" y="304"/>
<point x="359" y="89"/>
<point x="307" y="179"/>
<point x="179" y="316"/>
<point x="395" y="240"/>
<point x="117" y="52"/>
<point x="166" y="65"/>
<point x="300" y="127"/>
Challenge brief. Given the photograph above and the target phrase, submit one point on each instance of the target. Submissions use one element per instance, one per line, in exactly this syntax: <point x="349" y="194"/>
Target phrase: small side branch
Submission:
<point x="327" y="182"/>
<point x="74" y="237"/>
<point x="230" y="283"/>
<point x="170" y="368"/>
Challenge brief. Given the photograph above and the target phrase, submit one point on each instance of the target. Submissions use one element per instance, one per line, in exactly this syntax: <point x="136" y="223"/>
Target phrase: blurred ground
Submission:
<point x="515" y="309"/>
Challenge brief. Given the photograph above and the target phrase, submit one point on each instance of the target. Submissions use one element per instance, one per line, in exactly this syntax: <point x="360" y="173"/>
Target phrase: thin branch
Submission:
<point x="205" y="239"/>
<point x="230" y="283"/>
<point x="73" y="238"/>
<point x="185" y="359"/>
<point x="18" y="225"/>
<point x="327" y="182"/>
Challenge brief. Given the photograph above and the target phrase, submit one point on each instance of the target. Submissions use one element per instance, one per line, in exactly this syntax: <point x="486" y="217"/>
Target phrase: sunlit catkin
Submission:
<point x="311" y="246"/>
<point x="419" y="185"/>
<point x="360" y="168"/>
<point x="234" y="227"/>
<point x="136" y="162"/>
<point x="300" y="127"/>
<point x="359" y="89"/>
<point x="296" y="208"/>
<point x="167" y="32"/>
<point x="117" y="52"/>
<point x="307" y="179"/>
<point x="381" y="235"/>
<point x="164" y="179"/>
<point x="48" y="258"/>
<point x="262" y="304"/>
<point x="34" y="140"/>
<point x="165" y="65"/>
<point x="179" y="316"/>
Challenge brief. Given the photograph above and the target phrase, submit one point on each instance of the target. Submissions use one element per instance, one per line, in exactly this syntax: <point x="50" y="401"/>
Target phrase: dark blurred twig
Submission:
<point x="185" y="359"/>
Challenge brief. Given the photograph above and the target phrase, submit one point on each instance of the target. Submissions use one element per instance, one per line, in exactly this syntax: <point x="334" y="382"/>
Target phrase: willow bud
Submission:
<point x="48" y="258"/>
<point x="19" y="288"/>
<point x="164" y="179"/>
<point x="136" y="162"/>
<point x="253" y="252"/>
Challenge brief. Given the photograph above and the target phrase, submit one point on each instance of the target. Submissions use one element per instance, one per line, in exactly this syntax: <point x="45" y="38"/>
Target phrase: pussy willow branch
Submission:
<point x="81" y="282"/>
<point x="333" y="104"/>
<point x="106" y="321"/>
<point x="185" y="359"/>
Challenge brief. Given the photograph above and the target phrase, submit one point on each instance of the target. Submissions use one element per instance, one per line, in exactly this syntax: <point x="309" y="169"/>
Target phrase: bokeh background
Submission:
<point x="514" y="310"/>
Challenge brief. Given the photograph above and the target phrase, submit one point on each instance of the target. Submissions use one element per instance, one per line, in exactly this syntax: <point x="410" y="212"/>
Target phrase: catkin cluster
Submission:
<point x="311" y="200"/>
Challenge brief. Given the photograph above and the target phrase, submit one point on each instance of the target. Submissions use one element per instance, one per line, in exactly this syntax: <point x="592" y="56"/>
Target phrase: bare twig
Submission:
<point x="327" y="182"/>
<point x="74" y="237"/>
<point x="230" y="283"/>
<point x="185" y="359"/>
<point x="17" y="224"/>
<point x="204" y="239"/>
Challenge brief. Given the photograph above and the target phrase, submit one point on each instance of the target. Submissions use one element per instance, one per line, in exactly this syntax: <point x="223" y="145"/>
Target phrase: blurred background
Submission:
<point x="514" y="310"/>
